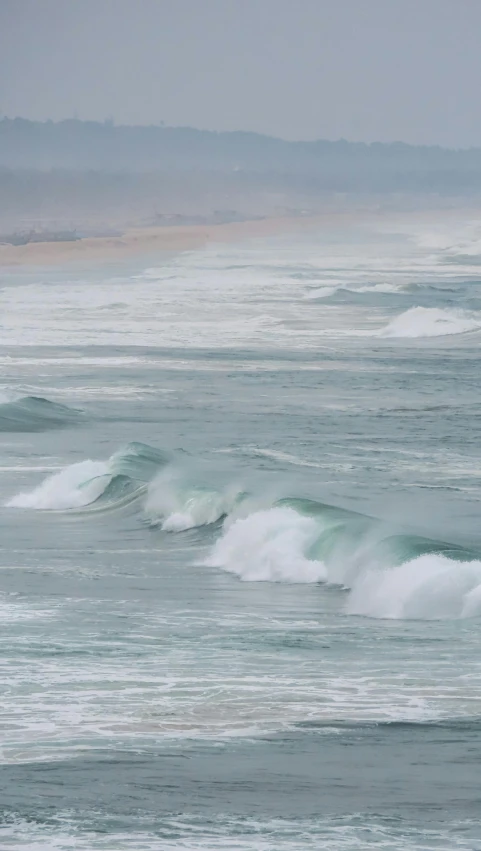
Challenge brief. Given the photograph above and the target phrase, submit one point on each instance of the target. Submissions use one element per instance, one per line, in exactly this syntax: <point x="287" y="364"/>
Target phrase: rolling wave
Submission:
<point x="315" y="293"/>
<point x="167" y="498"/>
<point x="386" y="572"/>
<point x="103" y="484"/>
<point x="34" y="413"/>
<point x="175" y="504"/>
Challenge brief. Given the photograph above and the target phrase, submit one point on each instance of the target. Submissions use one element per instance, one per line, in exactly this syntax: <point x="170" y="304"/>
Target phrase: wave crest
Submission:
<point x="431" y="322"/>
<point x="386" y="572"/>
<point x="109" y="483"/>
<point x="175" y="505"/>
<point x="270" y="546"/>
<point x="316" y="293"/>
<point x="34" y="413"/>
<point x="428" y="587"/>
<point x="385" y="575"/>
<point x="75" y="486"/>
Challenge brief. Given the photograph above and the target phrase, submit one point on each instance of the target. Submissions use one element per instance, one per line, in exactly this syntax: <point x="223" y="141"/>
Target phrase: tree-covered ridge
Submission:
<point x="85" y="145"/>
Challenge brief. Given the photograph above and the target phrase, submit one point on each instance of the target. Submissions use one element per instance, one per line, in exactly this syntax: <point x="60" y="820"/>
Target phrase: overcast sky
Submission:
<point x="359" y="69"/>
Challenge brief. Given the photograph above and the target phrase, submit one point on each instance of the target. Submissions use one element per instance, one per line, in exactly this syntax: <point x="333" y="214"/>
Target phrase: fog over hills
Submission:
<point x="74" y="144"/>
<point x="90" y="171"/>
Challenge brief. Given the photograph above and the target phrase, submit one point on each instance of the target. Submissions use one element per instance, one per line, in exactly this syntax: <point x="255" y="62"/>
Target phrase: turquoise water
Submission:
<point x="240" y="559"/>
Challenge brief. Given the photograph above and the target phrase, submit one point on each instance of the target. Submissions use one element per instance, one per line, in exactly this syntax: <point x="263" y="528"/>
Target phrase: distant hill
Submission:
<point x="341" y="166"/>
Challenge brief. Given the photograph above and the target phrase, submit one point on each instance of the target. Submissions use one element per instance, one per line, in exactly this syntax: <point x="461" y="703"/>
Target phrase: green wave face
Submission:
<point x="165" y="493"/>
<point x="348" y="537"/>
<point x="138" y="461"/>
<point x="129" y="472"/>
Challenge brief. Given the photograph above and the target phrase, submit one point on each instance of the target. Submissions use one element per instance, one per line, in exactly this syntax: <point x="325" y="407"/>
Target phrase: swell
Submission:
<point x="34" y="413"/>
<point x="350" y="292"/>
<point x="385" y="570"/>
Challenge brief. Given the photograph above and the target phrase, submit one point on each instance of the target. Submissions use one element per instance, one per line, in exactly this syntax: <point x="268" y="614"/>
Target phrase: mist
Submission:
<point x="118" y="113"/>
<point x="364" y="71"/>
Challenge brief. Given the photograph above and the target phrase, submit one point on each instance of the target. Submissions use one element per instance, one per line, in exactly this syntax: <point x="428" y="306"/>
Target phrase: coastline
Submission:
<point x="137" y="241"/>
<point x="141" y="240"/>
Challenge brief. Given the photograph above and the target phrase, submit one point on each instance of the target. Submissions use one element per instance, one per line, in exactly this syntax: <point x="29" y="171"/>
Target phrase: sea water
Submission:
<point x="240" y="556"/>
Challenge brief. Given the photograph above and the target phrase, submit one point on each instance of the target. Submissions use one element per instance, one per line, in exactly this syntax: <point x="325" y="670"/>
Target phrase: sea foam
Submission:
<point x="428" y="587"/>
<point x="270" y="546"/>
<point x="175" y="504"/>
<point x="431" y="322"/>
<point x="280" y="545"/>
<point x="116" y="480"/>
<point x="74" y="487"/>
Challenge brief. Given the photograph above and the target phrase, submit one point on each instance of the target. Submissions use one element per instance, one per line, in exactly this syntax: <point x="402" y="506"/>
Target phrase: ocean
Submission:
<point x="240" y="559"/>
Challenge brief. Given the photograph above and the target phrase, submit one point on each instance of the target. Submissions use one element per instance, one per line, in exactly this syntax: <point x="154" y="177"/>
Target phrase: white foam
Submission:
<point x="273" y="546"/>
<point x="326" y="291"/>
<point x="73" y="487"/>
<point x="224" y="832"/>
<point x="377" y="288"/>
<point x="12" y="610"/>
<point x="177" y="506"/>
<point x="269" y="546"/>
<point x="8" y="395"/>
<point x="428" y="587"/>
<point x="321" y="292"/>
<point x="431" y="322"/>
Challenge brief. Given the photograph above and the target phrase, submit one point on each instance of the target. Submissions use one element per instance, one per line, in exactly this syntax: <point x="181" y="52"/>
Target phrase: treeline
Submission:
<point x="331" y="166"/>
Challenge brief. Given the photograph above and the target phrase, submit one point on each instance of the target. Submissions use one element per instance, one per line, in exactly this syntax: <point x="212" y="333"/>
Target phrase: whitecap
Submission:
<point x="73" y="487"/>
<point x="270" y="546"/>
<point x="429" y="587"/>
<point x="282" y="545"/>
<point x="431" y="322"/>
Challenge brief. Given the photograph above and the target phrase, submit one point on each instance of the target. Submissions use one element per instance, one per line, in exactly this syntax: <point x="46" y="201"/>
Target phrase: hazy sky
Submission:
<point x="359" y="69"/>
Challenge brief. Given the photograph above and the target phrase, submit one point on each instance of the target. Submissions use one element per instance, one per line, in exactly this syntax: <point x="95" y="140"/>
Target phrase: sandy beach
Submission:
<point x="149" y="240"/>
<point x="144" y="240"/>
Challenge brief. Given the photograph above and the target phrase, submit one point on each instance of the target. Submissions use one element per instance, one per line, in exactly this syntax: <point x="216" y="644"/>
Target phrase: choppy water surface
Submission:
<point x="240" y="585"/>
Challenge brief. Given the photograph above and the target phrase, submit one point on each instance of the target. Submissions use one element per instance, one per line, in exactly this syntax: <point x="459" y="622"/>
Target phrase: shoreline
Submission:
<point x="137" y="241"/>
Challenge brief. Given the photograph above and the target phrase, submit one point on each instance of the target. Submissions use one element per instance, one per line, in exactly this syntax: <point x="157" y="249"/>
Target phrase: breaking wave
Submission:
<point x="175" y="504"/>
<point x="385" y="571"/>
<point x="76" y="486"/>
<point x="117" y="481"/>
<point x="431" y="322"/>
<point x="33" y="414"/>
<point x="273" y="545"/>
<point x="139" y="473"/>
